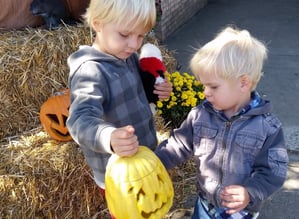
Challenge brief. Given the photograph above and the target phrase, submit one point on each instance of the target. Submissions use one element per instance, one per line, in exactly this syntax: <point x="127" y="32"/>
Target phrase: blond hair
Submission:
<point x="126" y="12"/>
<point x="231" y="54"/>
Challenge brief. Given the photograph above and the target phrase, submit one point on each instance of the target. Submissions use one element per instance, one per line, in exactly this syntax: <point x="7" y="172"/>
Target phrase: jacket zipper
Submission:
<point x="227" y="129"/>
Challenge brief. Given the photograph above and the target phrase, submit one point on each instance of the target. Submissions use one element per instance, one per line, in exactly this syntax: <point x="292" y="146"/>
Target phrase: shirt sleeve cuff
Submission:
<point x="105" y="138"/>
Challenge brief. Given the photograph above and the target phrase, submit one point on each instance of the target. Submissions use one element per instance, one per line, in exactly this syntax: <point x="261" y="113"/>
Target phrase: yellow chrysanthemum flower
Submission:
<point x="201" y="95"/>
<point x="159" y="104"/>
<point x="187" y="92"/>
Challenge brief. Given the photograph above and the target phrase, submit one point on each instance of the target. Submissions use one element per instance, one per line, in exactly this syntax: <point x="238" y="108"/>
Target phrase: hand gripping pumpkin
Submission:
<point x="138" y="186"/>
<point x="53" y="115"/>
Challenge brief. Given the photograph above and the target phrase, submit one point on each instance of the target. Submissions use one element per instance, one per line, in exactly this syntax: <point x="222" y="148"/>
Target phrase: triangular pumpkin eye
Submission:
<point x="159" y="178"/>
<point x="53" y="118"/>
<point x="139" y="194"/>
<point x="130" y="190"/>
<point x="156" y="196"/>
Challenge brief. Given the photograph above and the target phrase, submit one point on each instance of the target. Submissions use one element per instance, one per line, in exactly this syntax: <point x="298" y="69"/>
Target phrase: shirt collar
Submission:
<point x="254" y="102"/>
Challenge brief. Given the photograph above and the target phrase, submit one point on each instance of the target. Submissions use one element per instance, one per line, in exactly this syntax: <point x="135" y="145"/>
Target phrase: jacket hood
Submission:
<point x="88" y="53"/>
<point x="265" y="107"/>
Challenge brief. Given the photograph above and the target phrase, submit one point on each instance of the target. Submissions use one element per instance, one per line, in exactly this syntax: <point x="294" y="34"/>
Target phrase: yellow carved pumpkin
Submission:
<point x="53" y="115"/>
<point x="138" y="186"/>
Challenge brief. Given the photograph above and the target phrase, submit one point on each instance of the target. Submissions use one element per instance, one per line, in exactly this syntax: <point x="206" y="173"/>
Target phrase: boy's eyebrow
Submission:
<point x="131" y="32"/>
<point x="124" y="31"/>
<point x="210" y="84"/>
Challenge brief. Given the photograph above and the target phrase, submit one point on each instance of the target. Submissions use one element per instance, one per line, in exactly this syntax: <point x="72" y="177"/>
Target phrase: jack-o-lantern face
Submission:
<point x="138" y="186"/>
<point x="53" y="115"/>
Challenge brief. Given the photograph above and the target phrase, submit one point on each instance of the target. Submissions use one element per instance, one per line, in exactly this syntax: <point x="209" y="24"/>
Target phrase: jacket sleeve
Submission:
<point x="270" y="170"/>
<point x="85" y="124"/>
<point x="179" y="147"/>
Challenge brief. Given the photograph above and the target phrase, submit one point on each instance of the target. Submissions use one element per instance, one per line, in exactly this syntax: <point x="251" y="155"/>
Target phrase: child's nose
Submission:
<point x="207" y="92"/>
<point x="133" y="43"/>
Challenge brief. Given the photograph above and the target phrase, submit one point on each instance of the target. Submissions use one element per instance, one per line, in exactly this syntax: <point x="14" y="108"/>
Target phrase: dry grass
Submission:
<point x="42" y="178"/>
<point x="33" y="67"/>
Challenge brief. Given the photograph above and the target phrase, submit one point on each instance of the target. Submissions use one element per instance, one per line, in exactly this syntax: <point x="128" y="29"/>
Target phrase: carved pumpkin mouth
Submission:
<point x="163" y="205"/>
<point x="157" y="199"/>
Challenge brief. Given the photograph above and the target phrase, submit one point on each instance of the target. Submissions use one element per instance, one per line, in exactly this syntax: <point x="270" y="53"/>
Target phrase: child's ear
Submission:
<point x="245" y="83"/>
<point x="97" y="26"/>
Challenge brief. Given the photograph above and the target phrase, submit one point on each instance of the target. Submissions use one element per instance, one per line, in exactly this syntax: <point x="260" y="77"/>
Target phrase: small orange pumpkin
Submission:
<point x="54" y="113"/>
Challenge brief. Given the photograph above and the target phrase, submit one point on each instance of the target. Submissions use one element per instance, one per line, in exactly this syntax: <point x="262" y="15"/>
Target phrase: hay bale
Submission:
<point x="42" y="178"/>
<point x="33" y="67"/>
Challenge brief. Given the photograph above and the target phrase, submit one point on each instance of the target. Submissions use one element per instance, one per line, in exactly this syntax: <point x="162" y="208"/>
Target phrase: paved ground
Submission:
<point x="276" y="22"/>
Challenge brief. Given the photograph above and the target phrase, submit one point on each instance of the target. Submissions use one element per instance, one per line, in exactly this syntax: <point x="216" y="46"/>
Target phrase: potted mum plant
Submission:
<point x="187" y="93"/>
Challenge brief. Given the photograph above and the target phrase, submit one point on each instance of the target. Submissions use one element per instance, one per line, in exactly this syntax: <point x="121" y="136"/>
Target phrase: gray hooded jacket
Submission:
<point x="106" y="93"/>
<point x="247" y="150"/>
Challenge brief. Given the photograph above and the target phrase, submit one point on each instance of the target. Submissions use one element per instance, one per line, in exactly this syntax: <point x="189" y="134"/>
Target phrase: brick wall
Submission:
<point x="174" y="14"/>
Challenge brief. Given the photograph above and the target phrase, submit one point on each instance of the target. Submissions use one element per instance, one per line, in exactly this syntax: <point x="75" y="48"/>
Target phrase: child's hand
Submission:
<point x="163" y="90"/>
<point x="235" y="198"/>
<point x="124" y="142"/>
